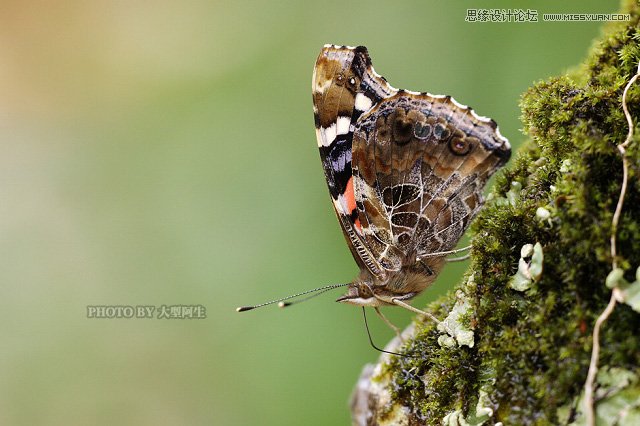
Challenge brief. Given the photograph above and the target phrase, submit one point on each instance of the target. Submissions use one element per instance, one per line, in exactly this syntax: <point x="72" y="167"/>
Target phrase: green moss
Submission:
<point x="532" y="349"/>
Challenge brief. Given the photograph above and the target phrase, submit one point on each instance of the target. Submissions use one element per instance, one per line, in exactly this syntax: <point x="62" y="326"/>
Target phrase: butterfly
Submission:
<point x="405" y="172"/>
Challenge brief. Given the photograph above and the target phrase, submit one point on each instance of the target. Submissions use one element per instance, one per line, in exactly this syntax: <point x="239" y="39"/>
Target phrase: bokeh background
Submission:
<point x="164" y="153"/>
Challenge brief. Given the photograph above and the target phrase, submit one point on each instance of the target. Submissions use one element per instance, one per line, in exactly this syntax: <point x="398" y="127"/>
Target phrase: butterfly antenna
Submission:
<point x="304" y="299"/>
<point x="318" y="290"/>
<point x="366" y="325"/>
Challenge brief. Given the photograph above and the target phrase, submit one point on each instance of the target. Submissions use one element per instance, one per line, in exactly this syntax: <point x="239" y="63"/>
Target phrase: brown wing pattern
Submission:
<point x="420" y="163"/>
<point x="344" y="88"/>
<point x="405" y="170"/>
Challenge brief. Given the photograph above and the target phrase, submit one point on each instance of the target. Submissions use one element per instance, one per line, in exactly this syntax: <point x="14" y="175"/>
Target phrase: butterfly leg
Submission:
<point x="405" y="305"/>
<point x="389" y="323"/>
<point x="446" y="253"/>
<point x="458" y="259"/>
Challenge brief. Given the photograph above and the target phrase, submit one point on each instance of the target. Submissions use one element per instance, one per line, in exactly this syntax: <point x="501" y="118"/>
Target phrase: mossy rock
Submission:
<point x="530" y="347"/>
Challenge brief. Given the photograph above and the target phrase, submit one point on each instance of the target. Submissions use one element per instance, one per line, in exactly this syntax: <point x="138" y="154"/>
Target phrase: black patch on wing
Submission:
<point x="336" y="161"/>
<point x="366" y="88"/>
<point x="361" y="60"/>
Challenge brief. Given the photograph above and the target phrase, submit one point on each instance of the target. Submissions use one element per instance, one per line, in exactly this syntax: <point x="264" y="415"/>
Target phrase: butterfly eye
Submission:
<point x="460" y="146"/>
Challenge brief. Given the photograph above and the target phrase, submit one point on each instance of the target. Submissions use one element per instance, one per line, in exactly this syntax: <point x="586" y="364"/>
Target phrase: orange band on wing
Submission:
<point x="350" y="199"/>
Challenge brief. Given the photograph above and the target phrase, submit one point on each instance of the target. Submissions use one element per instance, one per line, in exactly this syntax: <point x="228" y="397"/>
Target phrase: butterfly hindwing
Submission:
<point x="420" y="164"/>
<point x="405" y="170"/>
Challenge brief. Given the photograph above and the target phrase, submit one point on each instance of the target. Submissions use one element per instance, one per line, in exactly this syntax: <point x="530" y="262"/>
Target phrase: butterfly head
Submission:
<point x="403" y="284"/>
<point x="364" y="292"/>
<point x="360" y="293"/>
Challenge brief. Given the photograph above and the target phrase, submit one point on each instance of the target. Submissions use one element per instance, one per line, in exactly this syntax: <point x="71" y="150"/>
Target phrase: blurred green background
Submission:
<point x="164" y="153"/>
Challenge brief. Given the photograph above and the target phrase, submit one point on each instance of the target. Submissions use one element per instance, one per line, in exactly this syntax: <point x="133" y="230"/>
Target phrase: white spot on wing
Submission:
<point x="327" y="135"/>
<point x="319" y="139"/>
<point x="363" y="102"/>
<point x="341" y="204"/>
<point x="343" y="125"/>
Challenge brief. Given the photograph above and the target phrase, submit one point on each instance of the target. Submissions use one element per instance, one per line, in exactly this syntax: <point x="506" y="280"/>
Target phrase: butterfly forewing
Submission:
<point x="341" y="94"/>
